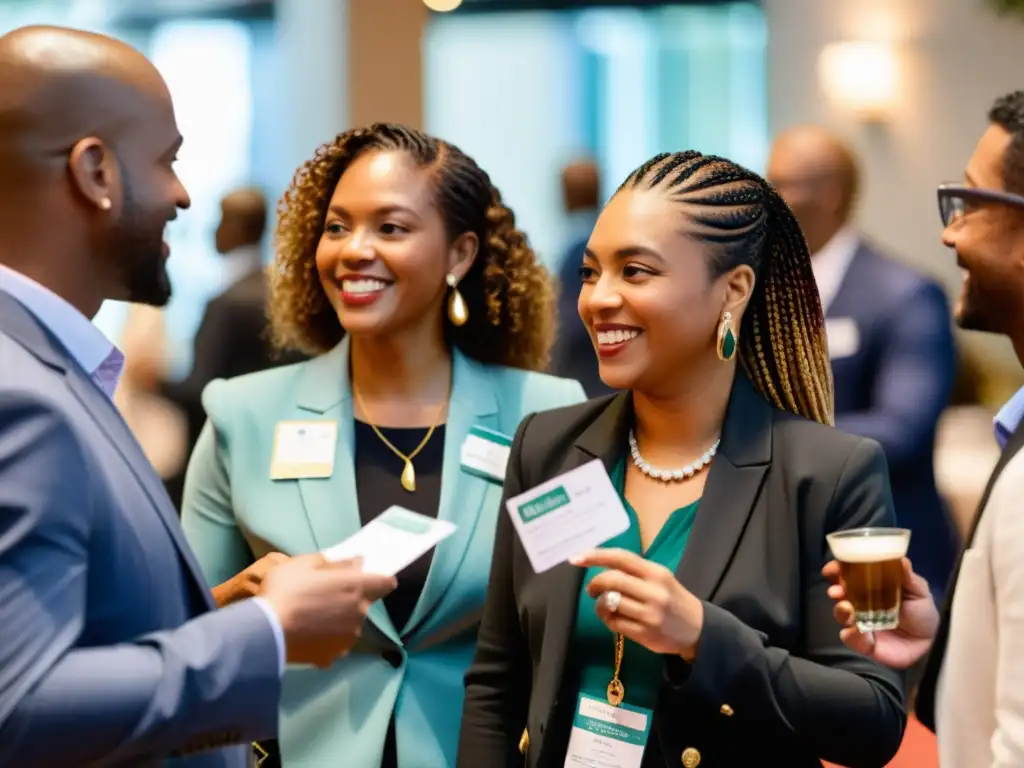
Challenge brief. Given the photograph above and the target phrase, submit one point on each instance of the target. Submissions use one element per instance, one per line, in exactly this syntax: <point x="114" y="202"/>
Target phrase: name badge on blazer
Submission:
<point x="843" y="337"/>
<point x="485" y="454"/>
<point x="303" y="449"/>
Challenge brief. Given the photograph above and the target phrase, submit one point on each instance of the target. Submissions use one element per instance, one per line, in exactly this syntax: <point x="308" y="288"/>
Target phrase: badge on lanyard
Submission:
<point x="304" y="449"/>
<point x="485" y="454"/>
<point x="606" y="735"/>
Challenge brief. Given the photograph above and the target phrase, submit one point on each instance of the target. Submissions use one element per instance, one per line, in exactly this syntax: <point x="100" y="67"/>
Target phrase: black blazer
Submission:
<point x="772" y="680"/>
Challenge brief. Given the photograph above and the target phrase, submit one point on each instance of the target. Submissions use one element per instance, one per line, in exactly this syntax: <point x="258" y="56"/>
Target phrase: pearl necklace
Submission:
<point x="669" y="475"/>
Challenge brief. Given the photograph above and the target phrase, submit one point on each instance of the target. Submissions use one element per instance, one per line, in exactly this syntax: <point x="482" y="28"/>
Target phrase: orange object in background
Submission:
<point x="919" y="749"/>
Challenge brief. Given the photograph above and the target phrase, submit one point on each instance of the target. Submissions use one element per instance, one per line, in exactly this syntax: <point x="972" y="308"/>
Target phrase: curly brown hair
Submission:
<point x="509" y="294"/>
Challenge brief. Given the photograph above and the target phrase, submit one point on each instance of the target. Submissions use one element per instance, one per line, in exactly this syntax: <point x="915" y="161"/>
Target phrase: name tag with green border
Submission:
<point x="485" y="454"/>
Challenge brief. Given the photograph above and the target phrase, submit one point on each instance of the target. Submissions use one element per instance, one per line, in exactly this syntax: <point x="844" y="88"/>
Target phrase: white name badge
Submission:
<point x="843" y="337"/>
<point x="392" y="541"/>
<point x="303" y="449"/>
<point x="604" y="736"/>
<point x="567" y="515"/>
<point x="485" y="454"/>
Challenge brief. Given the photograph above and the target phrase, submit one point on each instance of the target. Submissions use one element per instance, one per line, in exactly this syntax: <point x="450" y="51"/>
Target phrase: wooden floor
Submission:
<point x="918" y="750"/>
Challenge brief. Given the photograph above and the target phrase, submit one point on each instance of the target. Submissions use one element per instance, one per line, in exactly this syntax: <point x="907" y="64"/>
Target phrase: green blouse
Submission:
<point x="593" y="644"/>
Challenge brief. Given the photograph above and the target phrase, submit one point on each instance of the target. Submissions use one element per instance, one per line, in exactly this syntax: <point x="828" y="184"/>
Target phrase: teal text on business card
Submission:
<point x="544" y="504"/>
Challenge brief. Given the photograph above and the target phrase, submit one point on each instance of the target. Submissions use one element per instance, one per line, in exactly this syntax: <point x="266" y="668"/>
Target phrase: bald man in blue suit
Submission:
<point x="112" y="650"/>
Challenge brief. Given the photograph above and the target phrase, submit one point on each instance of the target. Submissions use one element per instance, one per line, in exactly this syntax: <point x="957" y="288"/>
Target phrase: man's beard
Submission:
<point x="987" y="309"/>
<point x="138" y="245"/>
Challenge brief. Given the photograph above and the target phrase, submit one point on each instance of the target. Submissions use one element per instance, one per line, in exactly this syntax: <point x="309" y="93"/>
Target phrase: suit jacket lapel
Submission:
<point x="462" y="494"/>
<point x="26" y="330"/>
<point x="107" y="417"/>
<point x="606" y="439"/>
<point x="925" y="706"/>
<point x="731" y="489"/>
<point x="852" y="287"/>
<point x="331" y="503"/>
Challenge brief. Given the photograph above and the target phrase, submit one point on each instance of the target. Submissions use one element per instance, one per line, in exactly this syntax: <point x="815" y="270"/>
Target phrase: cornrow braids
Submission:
<point x="509" y="294"/>
<point x="782" y="344"/>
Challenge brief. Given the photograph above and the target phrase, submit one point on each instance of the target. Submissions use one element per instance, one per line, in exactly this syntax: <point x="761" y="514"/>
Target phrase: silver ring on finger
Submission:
<point x="612" y="600"/>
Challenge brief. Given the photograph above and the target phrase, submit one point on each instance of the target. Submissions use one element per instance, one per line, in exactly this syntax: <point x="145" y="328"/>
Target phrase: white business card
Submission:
<point x="392" y="541"/>
<point x="568" y="515"/>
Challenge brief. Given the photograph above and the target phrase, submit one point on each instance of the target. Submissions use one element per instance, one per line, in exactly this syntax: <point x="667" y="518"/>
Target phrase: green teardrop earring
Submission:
<point x="726" y="346"/>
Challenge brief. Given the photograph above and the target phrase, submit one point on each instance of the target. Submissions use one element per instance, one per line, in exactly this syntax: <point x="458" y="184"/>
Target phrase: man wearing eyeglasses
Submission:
<point x="972" y="693"/>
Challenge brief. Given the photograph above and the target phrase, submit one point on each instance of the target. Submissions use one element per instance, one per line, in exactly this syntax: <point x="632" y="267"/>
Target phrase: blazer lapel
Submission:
<point x="605" y="439"/>
<point x="462" y="495"/>
<point x="855" y="284"/>
<point x="925" y="705"/>
<point x="109" y="419"/>
<point x="23" y="327"/>
<point x="731" y="490"/>
<point x="732" y="487"/>
<point x="331" y="503"/>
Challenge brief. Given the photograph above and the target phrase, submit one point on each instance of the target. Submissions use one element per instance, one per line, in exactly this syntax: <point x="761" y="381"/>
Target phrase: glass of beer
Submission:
<point x="870" y="564"/>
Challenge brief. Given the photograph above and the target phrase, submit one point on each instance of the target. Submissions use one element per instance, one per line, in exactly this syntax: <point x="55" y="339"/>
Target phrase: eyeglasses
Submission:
<point x="954" y="200"/>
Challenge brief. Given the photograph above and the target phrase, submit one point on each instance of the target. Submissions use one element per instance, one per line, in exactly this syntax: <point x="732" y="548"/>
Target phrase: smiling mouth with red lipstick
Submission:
<point x="613" y="338"/>
<point x="361" y="290"/>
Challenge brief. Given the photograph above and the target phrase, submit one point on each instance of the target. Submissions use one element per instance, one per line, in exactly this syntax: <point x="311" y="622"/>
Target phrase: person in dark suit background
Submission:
<point x="573" y="355"/>
<point x="708" y="616"/>
<point x="232" y="336"/>
<point x="890" y="337"/>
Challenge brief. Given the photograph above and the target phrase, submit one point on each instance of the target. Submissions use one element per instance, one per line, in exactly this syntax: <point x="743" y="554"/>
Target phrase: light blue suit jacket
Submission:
<point x="233" y="513"/>
<point x="110" y="650"/>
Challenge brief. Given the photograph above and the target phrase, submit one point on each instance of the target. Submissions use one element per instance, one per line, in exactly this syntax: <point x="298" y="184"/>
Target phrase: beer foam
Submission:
<point x="869" y="549"/>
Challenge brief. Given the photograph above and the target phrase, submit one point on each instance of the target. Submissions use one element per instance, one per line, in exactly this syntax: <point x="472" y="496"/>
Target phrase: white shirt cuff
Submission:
<point x="275" y="624"/>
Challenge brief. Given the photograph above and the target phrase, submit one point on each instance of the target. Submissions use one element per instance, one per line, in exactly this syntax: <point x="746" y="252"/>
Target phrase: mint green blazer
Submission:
<point x="233" y="514"/>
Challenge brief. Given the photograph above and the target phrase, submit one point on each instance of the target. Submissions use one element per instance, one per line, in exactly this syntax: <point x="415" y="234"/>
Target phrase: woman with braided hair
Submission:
<point x="703" y="634"/>
<point x="429" y="318"/>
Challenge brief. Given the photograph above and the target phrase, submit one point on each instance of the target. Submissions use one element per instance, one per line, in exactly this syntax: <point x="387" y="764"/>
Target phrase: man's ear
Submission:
<point x="94" y="172"/>
<point x="462" y="253"/>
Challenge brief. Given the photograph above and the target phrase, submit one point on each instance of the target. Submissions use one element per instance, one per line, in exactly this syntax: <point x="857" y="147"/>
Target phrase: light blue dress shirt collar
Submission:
<point x="1009" y="417"/>
<point x="83" y="340"/>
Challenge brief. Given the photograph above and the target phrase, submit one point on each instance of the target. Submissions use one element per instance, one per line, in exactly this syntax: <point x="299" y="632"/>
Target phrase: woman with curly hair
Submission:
<point x="429" y="317"/>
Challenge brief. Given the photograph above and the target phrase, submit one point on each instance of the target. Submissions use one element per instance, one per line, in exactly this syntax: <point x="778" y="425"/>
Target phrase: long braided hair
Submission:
<point x="782" y="344"/>
<point x="509" y="294"/>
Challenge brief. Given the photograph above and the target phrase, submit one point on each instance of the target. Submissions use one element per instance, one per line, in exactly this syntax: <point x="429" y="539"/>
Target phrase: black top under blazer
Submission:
<point x="772" y="683"/>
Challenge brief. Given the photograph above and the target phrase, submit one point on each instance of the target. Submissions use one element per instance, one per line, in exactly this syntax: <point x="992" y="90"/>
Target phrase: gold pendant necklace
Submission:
<point x="408" y="478"/>
<point x="616" y="690"/>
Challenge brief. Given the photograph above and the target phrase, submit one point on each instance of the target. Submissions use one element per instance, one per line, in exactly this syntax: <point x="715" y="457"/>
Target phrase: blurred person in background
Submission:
<point x="890" y="337"/>
<point x="972" y="692"/>
<point x="428" y="314"/>
<point x="233" y="336"/>
<point x="112" y="650"/>
<point x="158" y="424"/>
<point x="708" y="617"/>
<point x="573" y="355"/>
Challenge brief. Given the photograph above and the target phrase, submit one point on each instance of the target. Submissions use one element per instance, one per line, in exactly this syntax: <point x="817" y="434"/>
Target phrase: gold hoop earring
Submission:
<point x="458" y="312"/>
<point x="726" y="347"/>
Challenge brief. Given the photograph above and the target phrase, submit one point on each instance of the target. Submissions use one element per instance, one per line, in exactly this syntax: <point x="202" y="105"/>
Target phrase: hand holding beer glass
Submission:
<point x="871" y="571"/>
